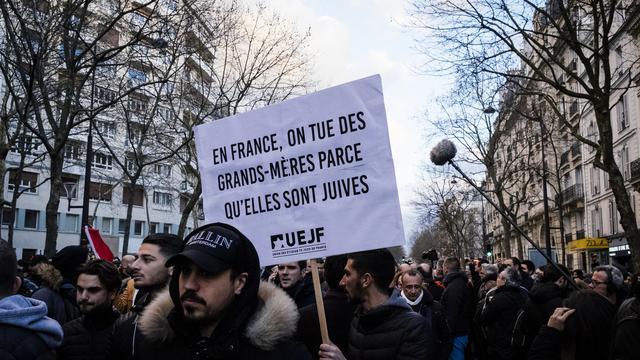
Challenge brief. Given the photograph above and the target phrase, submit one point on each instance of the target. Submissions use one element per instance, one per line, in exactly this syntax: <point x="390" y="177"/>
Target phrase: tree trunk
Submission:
<point x="188" y="209"/>
<point x="53" y="204"/>
<point x="519" y="247"/>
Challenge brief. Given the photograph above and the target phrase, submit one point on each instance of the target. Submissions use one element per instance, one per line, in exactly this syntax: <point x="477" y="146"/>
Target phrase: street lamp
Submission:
<point x="70" y="188"/>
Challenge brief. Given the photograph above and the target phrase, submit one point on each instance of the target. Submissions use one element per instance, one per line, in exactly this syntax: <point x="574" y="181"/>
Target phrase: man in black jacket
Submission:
<point x="293" y="281"/>
<point x="384" y="326"/>
<point x="422" y="302"/>
<point x="338" y="311"/>
<point x="216" y="308"/>
<point x="499" y="316"/>
<point x="458" y="303"/>
<point x="150" y="277"/>
<point x="26" y="333"/>
<point x="89" y="337"/>
<point x="546" y="296"/>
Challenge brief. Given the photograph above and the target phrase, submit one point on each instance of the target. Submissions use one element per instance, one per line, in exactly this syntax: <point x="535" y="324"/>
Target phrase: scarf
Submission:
<point x="412" y="303"/>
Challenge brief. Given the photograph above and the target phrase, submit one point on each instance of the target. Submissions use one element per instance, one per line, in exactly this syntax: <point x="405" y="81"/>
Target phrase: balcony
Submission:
<point x="580" y="234"/>
<point x="572" y="194"/>
<point x="567" y="238"/>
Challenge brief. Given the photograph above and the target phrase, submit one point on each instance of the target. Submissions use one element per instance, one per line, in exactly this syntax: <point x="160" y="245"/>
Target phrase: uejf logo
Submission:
<point x="297" y="242"/>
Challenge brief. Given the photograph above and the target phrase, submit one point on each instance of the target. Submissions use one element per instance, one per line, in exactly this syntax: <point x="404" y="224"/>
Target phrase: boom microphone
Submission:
<point x="444" y="152"/>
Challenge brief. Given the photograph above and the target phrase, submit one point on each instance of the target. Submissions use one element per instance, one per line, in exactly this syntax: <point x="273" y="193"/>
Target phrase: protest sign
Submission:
<point x="305" y="178"/>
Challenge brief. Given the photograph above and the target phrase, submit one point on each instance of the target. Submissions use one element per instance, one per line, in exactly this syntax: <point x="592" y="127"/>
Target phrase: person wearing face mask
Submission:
<point x="88" y="337"/>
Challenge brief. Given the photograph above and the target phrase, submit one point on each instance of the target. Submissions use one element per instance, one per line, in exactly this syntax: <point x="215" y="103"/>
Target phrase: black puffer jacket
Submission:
<point x="544" y="299"/>
<point x="88" y="337"/>
<point x="433" y="311"/>
<point x="625" y="344"/>
<point x="498" y="317"/>
<point x="302" y="293"/>
<point x="390" y="331"/>
<point x="458" y="301"/>
<point x="267" y="335"/>
<point x="126" y="336"/>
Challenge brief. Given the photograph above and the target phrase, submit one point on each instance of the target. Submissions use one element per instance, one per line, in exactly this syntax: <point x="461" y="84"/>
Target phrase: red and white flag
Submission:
<point x="100" y="248"/>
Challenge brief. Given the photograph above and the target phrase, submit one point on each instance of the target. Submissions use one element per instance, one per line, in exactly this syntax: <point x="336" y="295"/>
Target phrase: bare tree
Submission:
<point x="568" y="46"/>
<point x="257" y="59"/>
<point x="54" y="55"/>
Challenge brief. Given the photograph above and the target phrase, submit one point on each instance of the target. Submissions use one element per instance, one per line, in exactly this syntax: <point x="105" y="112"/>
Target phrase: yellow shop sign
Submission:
<point x="589" y="243"/>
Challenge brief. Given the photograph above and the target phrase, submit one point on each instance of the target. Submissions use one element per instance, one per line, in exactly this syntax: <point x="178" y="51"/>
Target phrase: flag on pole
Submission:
<point x="100" y="248"/>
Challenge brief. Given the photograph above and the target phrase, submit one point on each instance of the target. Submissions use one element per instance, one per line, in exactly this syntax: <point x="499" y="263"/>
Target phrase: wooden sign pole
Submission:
<point x="324" y="331"/>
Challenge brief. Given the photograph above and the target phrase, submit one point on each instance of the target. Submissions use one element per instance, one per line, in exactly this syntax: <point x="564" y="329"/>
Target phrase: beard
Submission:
<point x="357" y="297"/>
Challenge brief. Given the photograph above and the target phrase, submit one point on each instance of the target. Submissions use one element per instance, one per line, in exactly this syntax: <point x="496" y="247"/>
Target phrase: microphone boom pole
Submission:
<point x="443" y="153"/>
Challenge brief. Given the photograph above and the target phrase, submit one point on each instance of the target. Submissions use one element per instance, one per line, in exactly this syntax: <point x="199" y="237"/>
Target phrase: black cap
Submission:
<point x="213" y="248"/>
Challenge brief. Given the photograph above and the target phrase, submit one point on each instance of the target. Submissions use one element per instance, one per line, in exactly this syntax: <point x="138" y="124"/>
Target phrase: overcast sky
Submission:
<point x="351" y="39"/>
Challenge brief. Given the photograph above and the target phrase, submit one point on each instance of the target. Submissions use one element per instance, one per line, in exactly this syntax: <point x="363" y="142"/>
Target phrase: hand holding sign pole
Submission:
<point x="306" y="178"/>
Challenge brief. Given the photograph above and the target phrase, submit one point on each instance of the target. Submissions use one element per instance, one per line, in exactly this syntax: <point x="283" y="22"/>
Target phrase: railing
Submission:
<point x="635" y="168"/>
<point x="572" y="193"/>
<point x="567" y="238"/>
<point x="579" y="234"/>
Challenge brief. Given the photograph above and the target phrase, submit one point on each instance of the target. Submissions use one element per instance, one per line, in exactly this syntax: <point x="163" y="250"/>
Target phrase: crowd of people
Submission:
<point x="207" y="297"/>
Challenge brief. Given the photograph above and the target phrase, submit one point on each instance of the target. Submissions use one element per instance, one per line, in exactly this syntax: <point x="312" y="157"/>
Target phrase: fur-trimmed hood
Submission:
<point x="274" y="320"/>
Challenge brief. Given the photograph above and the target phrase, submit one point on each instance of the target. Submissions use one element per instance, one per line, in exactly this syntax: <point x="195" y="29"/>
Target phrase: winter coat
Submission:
<point x="458" y="302"/>
<point x="26" y="333"/>
<point x="338" y="312"/>
<point x="434" y="313"/>
<point x="126" y="336"/>
<point x="266" y="336"/>
<point x="498" y="318"/>
<point x="547" y="345"/>
<point x="302" y="293"/>
<point x="544" y="299"/>
<point x="88" y="337"/>
<point x="389" y="331"/>
<point x="625" y="344"/>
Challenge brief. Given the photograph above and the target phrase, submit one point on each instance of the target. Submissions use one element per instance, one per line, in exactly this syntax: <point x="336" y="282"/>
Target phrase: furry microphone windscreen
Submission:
<point x="443" y="152"/>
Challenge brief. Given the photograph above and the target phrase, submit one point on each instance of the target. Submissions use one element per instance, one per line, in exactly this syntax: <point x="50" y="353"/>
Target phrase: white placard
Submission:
<point x="305" y="178"/>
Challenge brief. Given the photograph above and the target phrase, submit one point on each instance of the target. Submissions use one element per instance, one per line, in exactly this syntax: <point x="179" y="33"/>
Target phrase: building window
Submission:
<point x="102" y="161"/>
<point x="72" y="151"/>
<point x="137" y="104"/>
<point x="162" y="199"/>
<point x="622" y="109"/>
<point x="136" y="78"/>
<point x="623" y="156"/>
<point x="595" y="181"/>
<point x="131" y="165"/>
<point x="26" y="144"/>
<point x="167" y="228"/>
<point x="596" y="222"/>
<point x="613" y="218"/>
<point x="122" y="223"/>
<point x="25" y="181"/>
<point x="153" y="228"/>
<point x="162" y="170"/>
<point x="100" y="192"/>
<point x="138" y="20"/>
<point x="137" y="193"/>
<point x="31" y="219"/>
<point x="138" y="228"/>
<point x="71" y="223"/>
<point x="105" y="96"/>
<point x="107" y="225"/>
<point x="8" y="217"/>
<point x="106" y="128"/>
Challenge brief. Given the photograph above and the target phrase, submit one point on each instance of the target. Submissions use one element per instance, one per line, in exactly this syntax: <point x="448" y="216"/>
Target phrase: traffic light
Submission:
<point x="488" y="249"/>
